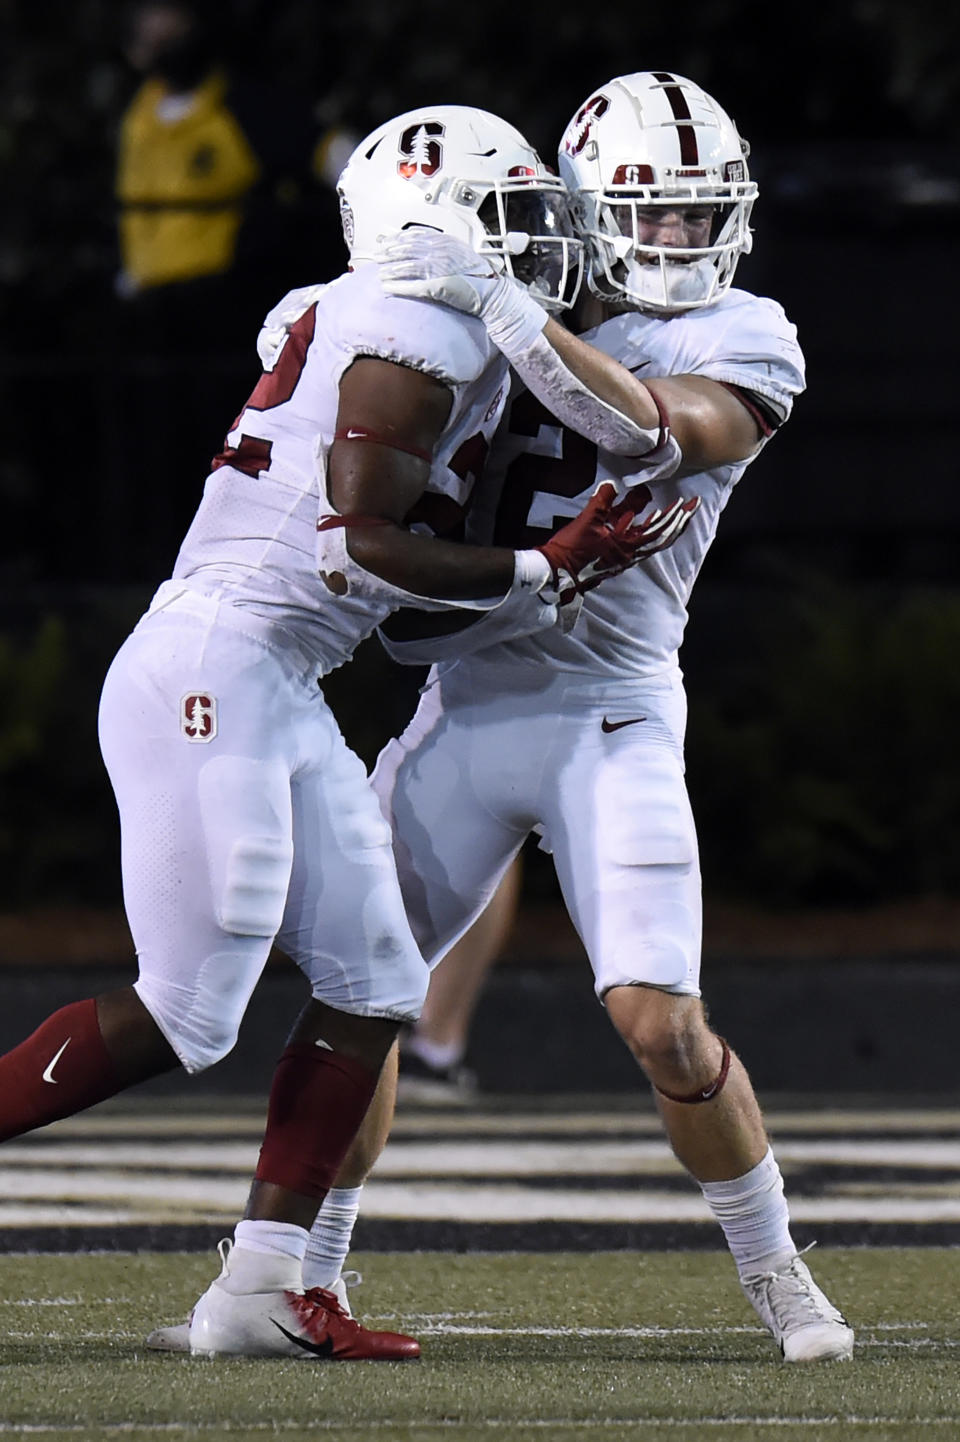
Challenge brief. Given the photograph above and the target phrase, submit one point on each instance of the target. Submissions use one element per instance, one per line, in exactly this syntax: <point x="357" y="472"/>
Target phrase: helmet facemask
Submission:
<point x="528" y="226"/>
<point x="641" y="146"/>
<point x="665" y="279"/>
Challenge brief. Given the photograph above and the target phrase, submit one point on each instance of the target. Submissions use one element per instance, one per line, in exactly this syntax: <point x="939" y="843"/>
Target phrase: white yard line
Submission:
<point x="231" y="1118"/>
<point x="479" y="1158"/>
<point x="395" y="1425"/>
<point x="85" y="1200"/>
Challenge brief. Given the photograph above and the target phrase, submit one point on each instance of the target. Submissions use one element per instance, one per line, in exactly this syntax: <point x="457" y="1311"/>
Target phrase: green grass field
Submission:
<point x="564" y="1346"/>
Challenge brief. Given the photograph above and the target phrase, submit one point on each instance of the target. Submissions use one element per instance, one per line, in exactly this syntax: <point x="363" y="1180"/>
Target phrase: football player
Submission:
<point x="245" y="818"/>
<point x="579" y="735"/>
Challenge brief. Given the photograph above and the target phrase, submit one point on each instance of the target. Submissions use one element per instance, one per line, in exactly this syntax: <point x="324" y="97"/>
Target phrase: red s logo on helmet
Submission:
<point x="583" y="123"/>
<point x="420" y="150"/>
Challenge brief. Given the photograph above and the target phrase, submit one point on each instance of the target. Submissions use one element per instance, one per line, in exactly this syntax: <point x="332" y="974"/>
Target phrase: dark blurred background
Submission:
<point x="822" y="650"/>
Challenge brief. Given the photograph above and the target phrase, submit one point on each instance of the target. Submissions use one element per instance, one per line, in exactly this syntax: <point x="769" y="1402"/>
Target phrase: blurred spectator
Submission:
<point x="227" y="200"/>
<point x="224" y="186"/>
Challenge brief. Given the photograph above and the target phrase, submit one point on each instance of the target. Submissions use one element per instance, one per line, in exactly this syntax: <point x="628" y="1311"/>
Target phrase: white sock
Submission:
<point x="438" y="1054"/>
<point x="265" y="1257"/>
<point x="753" y="1213"/>
<point x="330" y="1236"/>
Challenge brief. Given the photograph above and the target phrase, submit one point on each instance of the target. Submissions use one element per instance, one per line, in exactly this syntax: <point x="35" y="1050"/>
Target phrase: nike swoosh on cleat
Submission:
<point x="319" y="1349"/>
<point x="609" y="726"/>
<point x="48" y="1075"/>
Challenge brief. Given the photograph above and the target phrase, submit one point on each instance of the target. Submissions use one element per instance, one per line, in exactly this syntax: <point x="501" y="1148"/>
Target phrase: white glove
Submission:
<point x="428" y="265"/>
<point x="281" y="320"/>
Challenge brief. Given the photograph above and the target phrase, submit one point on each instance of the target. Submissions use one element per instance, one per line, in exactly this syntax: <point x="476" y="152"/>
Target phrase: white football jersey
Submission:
<point x="253" y="541"/>
<point x="539" y="475"/>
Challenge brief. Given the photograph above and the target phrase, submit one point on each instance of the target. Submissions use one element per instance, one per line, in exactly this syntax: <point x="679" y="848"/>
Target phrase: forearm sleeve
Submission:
<point x="549" y="378"/>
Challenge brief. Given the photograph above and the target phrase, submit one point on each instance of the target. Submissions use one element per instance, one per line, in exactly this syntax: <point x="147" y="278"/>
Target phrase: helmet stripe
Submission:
<point x="689" y="150"/>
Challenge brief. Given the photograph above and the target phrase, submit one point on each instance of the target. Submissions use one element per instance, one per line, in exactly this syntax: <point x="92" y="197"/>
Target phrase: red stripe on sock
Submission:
<point x="317" y="1101"/>
<point x="62" y="1068"/>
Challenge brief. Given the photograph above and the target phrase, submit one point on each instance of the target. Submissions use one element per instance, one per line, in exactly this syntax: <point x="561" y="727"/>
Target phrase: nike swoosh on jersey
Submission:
<point x="609" y="726"/>
<point x="48" y="1075"/>
<point x="319" y="1349"/>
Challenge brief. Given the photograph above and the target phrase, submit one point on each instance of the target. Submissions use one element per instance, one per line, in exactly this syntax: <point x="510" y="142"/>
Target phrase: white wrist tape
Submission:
<point x="531" y="571"/>
<point x="544" y="372"/>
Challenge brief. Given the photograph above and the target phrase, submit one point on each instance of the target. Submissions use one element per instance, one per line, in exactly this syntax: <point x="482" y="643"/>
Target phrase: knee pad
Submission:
<point x="247" y="824"/>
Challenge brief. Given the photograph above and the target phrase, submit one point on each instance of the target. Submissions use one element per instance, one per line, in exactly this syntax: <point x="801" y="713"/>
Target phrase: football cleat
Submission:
<point x="176" y="1337"/>
<point x="801" y="1319"/>
<point x="303" y="1325"/>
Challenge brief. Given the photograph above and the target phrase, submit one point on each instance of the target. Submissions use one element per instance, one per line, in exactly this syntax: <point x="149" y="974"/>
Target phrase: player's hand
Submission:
<point x="608" y="537"/>
<point x="427" y="265"/>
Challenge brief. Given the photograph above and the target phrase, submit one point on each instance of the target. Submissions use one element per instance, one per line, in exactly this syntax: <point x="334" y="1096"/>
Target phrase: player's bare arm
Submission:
<point x="379" y="481"/>
<point x="585" y="389"/>
<point x="710" y="425"/>
<point x="389" y="419"/>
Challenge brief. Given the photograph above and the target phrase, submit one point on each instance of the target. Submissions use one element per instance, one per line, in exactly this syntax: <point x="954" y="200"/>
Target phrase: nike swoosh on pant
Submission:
<point x="48" y="1075"/>
<point x="609" y="726"/>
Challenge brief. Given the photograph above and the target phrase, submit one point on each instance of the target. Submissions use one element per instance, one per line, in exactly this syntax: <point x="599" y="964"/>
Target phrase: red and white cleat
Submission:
<point x="304" y="1325"/>
<point x="176" y="1336"/>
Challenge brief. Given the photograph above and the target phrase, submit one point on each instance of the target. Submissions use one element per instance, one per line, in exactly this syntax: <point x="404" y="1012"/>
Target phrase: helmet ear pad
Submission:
<point x="648" y="140"/>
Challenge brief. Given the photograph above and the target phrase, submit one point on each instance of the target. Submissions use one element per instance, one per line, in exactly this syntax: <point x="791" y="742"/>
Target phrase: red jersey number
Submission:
<point x="252" y="454"/>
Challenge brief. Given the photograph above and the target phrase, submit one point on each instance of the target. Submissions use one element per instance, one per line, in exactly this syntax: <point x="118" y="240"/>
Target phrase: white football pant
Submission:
<point x="597" y="767"/>
<point x="244" y="818"/>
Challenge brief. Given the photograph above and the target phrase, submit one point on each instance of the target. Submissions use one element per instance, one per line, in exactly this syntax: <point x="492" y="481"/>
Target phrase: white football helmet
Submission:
<point x="642" y="145"/>
<point x="467" y="173"/>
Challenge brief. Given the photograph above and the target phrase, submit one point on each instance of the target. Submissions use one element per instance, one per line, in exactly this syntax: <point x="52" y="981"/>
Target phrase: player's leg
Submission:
<point x="82" y="1054"/>
<point x="183" y="833"/>
<point x="451" y="849"/>
<point x="445" y="1021"/>
<point x="713" y="1120"/>
<point x="431" y="1056"/>
<point x="459" y="813"/>
<point x="626" y="856"/>
<point x="345" y="926"/>
<point x="332" y="1232"/>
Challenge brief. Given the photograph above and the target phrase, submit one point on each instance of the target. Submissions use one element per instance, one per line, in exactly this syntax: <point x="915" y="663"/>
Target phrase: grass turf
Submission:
<point x="570" y="1347"/>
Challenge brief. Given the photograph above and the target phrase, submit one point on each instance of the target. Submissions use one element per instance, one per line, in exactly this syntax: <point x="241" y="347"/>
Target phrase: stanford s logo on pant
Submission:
<point x="198" y="716"/>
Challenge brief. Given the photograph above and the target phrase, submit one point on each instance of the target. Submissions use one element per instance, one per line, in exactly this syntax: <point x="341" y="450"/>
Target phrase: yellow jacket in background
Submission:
<point x="181" y="184"/>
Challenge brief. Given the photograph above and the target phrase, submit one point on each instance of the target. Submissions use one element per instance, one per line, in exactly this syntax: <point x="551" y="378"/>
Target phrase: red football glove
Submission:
<point x="606" y="539"/>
